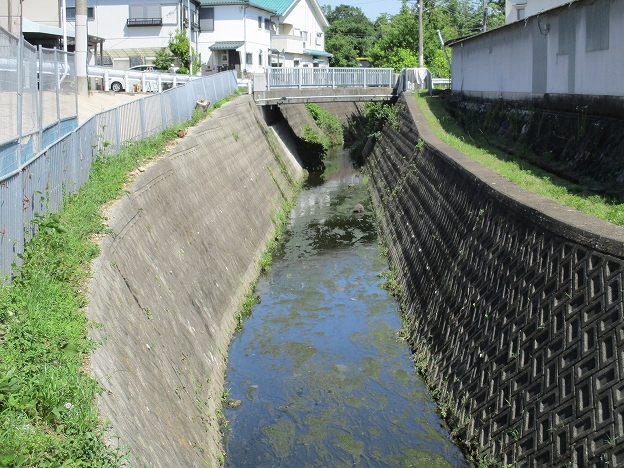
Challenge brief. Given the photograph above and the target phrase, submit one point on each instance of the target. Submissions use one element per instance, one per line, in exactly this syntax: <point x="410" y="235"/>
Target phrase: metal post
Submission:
<point x="268" y="75"/>
<point x="117" y="130"/>
<point x="142" y="116"/>
<point x="299" y="76"/>
<point x="20" y="96"/>
<point x="484" y="15"/>
<point x="203" y="81"/>
<point x="364" y="77"/>
<point x="81" y="46"/>
<point x="40" y="100"/>
<point x="57" y="86"/>
<point x="444" y="49"/>
<point x="190" y="34"/>
<point x="420" y="34"/>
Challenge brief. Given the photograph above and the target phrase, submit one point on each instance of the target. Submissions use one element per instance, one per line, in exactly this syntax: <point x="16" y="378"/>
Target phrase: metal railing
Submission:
<point x="129" y="80"/>
<point x="38" y="99"/>
<point x="39" y="184"/>
<point x="420" y="78"/>
<point x="311" y="77"/>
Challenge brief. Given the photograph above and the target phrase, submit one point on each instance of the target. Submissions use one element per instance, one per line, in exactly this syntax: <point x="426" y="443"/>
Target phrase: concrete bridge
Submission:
<point x="301" y="85"/>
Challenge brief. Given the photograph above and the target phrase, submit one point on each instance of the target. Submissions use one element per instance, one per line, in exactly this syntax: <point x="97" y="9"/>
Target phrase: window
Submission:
<point x="145" y="11"/>
<point x="259" y="22"/>
<point x="295" y="63"/>
<point x="105" y="61"/>
<point x="206" y="19"/>
<point x="267" y="24"/>
<point x="260" y="58"/>
<point x="597" y="26"/>
<point x="249" y="58"/>
<point x="519" y="13"/>
<point x="145" y="15"/>
<point x="70" y="13"/>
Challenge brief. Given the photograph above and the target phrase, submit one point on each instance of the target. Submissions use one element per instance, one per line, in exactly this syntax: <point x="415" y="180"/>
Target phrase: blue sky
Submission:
<point x="371" y="8"/>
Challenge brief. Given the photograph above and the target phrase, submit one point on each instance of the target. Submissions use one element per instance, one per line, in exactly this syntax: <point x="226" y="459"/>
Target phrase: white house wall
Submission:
<point x="46" y="12"/>
<point x="301" y="16"/>
<point x="528" y="58"/>
<point x="229" y="26"/>
<point x="531" y="7"/>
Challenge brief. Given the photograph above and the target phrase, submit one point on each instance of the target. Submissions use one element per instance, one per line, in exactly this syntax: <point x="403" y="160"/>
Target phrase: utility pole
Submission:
<point x="485" y="9"/>
<point x="81" y="46"/>
<point x="190" y="26"/>
<point x="420" y="35"/>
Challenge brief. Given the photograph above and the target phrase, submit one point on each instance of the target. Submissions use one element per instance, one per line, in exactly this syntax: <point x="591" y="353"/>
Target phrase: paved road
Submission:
<point x="99" y="101"/>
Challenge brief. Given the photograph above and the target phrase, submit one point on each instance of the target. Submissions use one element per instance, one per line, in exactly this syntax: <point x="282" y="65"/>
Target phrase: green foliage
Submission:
<point x="47" y="412"/>
<point x="343" y="50"/>
<point x="328" y="123"/>
<point x="181" y="50"/>
<point x="398" y="45"/>
<point x="350" y="35"/>
<point x="439" y="66"/>
<point x="312" y="135"/>
<point x="164" y="59"/>
<point x="516" y="169"/>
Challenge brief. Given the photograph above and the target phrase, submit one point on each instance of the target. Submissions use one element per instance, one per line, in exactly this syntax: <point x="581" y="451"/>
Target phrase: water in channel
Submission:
<point x="322" y="378"/>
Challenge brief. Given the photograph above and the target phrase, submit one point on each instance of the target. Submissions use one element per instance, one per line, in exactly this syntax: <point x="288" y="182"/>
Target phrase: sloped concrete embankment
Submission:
<point x="184" y="247"/>
<point x="350" y="114"/>
<point x="514" y="303"/>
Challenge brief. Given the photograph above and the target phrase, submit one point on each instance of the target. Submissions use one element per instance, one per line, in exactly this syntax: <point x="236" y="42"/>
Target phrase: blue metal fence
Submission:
<point x="40" y="183"/>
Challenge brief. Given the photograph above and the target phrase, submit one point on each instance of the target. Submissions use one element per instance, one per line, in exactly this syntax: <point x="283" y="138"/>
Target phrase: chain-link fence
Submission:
<point x="38" y="98"/>
<point x="63" y="167"/>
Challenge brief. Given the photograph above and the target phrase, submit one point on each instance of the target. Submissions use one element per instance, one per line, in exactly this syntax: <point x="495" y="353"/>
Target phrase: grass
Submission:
<point x="48" y="416"/>
<point x="517" y="170"/>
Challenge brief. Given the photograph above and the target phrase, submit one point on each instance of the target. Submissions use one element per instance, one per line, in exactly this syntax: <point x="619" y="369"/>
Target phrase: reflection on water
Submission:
<point x="322" y="378"/>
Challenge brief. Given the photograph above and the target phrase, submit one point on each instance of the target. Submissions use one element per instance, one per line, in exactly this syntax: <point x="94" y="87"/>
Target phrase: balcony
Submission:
<point x="288" y="43"/>
<point x="132" y="22"/>
<point x="194" y="25"/>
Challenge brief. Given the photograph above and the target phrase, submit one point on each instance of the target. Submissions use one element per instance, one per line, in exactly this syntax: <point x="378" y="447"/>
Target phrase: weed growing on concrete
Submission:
<point x="329" y="124"/>
<point x="246" y="306"/>
<point x="521" y="172"/>
<point x="46" y="397"/>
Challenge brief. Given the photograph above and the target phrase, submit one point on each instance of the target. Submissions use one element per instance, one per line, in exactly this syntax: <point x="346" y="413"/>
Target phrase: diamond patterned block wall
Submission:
<point x="514" y="303"/>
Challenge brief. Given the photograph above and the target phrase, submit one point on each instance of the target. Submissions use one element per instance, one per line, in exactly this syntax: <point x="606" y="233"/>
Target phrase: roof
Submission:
<point x="459" y="40"/>
<point x="279" y="6"/>
<point x="236" y="2"/>
<point x="226" y="45"/>
<point x="29" y="26"/>
<point x="274" y="6"/>
<point x="318" y="53"/>
<point x="148" y="52"/>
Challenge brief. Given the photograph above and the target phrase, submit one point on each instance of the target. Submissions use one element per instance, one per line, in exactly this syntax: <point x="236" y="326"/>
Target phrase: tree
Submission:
<point x="164" y="59"/>
<point x="350" y="34"/>
<point x="343" y="50"/>
<point x="398" y="45"/>
<point x="177" y="51"/>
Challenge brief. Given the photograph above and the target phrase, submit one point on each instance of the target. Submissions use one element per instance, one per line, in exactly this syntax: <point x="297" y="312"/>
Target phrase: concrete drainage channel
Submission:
<point x="516" y="314"/>
<point x="515" y="304"/>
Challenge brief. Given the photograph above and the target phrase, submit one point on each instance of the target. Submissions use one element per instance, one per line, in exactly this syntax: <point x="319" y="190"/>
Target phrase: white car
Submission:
<point x="151" y="84"/>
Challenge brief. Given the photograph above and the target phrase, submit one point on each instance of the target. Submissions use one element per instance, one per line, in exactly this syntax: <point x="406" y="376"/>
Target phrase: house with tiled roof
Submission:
<point x="250" y="35"/>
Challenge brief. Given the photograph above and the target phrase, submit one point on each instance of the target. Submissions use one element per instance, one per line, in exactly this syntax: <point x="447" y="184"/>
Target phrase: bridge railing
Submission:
<point x="309" y="77"/>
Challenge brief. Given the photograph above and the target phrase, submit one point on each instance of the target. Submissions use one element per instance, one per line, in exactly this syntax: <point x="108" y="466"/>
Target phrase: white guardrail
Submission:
<point x="308" y="77"/>
<point x="114" y="79"/>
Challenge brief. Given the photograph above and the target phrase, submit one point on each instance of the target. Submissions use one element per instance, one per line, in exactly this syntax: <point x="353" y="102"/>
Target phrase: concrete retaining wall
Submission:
<point x="580" y="143"/>
<point x="514" y="302"/>
<point x="184" y="248"/>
